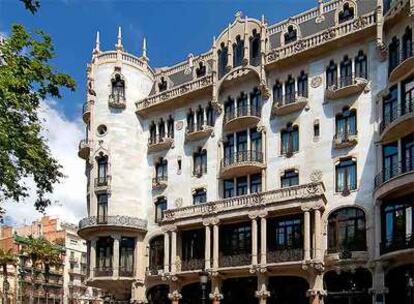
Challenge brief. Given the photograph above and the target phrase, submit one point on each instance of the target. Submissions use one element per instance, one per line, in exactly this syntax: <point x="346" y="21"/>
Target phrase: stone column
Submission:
<point x="115" y="257"/>
<point x="318" y="234"/>
<point x="263" y="240"/>
<point x="92" y="258"/>
<point x="254" y="239"/>
<point x="174" y="251"/>
<point x="306" y="236"/>
<point x="207" y="247"/>
<point x="166" y="252"/>
<point x="215" y="245"/>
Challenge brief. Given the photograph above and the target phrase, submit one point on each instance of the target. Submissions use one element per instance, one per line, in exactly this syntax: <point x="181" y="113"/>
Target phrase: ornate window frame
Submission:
<point x="340" y="8"/>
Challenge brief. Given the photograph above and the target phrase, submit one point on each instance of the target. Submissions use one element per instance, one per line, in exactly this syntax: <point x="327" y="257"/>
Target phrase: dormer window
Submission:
<point x="238" y="52"/>
<point x="346" y="14"/>
<point x="291" y="35"/>
<point x="162" y="85"/>
<point x="222" y="60"/>
<point x="118" y="88"/>
<point x="255" y="48"/>
<point x="201" y="70"/>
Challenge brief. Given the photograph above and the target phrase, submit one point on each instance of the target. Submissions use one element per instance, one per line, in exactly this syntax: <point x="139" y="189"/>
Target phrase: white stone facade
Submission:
<point x="124" y="151"/>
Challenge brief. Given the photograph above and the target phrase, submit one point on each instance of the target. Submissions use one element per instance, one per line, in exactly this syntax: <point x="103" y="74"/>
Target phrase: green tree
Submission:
<point x="7" y="258"/>
<point x="27" y="78"/>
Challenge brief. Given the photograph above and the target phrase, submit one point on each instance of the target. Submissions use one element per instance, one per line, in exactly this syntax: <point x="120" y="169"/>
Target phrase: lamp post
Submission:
<point x="203" y="284"/>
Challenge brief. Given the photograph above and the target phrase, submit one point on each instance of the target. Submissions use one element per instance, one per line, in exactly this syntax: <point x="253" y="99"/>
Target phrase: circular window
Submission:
<point x="102" y="129"/>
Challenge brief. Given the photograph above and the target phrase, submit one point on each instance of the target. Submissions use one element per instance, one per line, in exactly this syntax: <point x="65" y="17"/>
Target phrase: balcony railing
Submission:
<point x="155" y="269"/>
<point x="242" y="156"/>
<point x="242" y="111"/>
<point x="285" y="255"/>
<point x="291" y="98"/>
<point x="345" y="250"/>
<point x="159" y="139"/>
<point x="160" y="179"/>
<point x="240" y="259"/>
<point x="192" y="264"/>
<point x="395" y="170"/>
<point x="300" y="192"/>
<point x="405" y="52"/>
<point x="102" y="181"/>
<point x="103" y="272"/>
<point x="344" y="81"/>
<point x="126" y="272"/>
<point x="116" y="220"/>
<point x="345" y="139"/>
<point x="397" y="244"/>
<point x="397" y="110"/>
<point x="117" y="101"/>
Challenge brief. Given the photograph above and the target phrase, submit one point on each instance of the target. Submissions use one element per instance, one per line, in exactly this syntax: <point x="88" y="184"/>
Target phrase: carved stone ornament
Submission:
<point x="382" y="51"/>
<point x="329" y="34"/>
<point x="187" y="71"/>
<point x="316" y="81"/>
<point x="299" y="46"/>
<point x="359" y="23"/>
<point x="273" y="55"/>
<point x="216" y="296"/>
<point x="175" y="295"/>
<point x="179" y="202"/>
<point x="316" y="176"/>
<point x="262" y="294"/>
<point x="179" y="125"/>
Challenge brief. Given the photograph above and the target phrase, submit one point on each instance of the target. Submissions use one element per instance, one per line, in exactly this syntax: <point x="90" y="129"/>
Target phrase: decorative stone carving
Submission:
<point x="382" y="51"/>
<point x="299" y="46"/>
<point x="328" y="34"/>
<point x="316" y="82"/>
<point x="316" y="176"/>
<point x="359" y="23"/>
<point x="262" y="294"/>
<point x="179" y="202"/>
<point x="216" y="296"/>
<point x="117" y="220"/>
<point x="175" y="296"/>
<point x="179" y="125"/>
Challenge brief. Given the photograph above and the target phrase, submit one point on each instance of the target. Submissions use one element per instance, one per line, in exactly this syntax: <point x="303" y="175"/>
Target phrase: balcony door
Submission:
<point x="126" y="256"/>
<point x="241" y="139"/>
<point x="104" y="254"/>
<point x="390" y="160"/>
<point x="229" y="150"/>
<point x="408" y="153"/>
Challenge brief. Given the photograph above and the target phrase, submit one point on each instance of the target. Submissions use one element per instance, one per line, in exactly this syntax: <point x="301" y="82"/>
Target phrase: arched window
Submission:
<point x="255" y="48"/>
<point x="229" y="109"/>
<point x="222" y="60"/>
<point x="162" y="85"/>
<point x="393" y="54"/>
<point x="201" y="70"/>
<point x="200" y="118"/>
<point x="346" y="176"/>
<point x="331" y="74"/>
<point x="255" y="102"/>
<point x="290" y="90"/>
<point x="346" y="124"/>
<point x="161" y="130"/>
<point x="242" y="109"/>
<point x="104" y="256"/>
<point x="361" y="65"/>
<point x="346" y="72"/>
<point x="346" y="14"/>
<point x="170" y="127"/>
<point x="156" y="258"/>
<point x="102" y="162"/>
<point x="291" y="35"/>
<point x="160" y="206"/>
<point x="303" y="84"/>
<point x="346" y="230"/>
<point x="290" y="140"/>
<point x="190" y="121"/>
<point x="210" y="115"/>
<point x="153" y="133"/>
<point x="118" y="88"/>
<point x="161" y="170"/>
<point x="238" y="52"/>
<point x="278" y="92"/>
<point x="102" y="216"/>
<point x="407" y="43"/>
<point x="200" y="162"/>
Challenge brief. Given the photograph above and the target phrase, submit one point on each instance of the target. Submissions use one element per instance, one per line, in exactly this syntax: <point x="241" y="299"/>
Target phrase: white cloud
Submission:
<point x="63" y="136"/>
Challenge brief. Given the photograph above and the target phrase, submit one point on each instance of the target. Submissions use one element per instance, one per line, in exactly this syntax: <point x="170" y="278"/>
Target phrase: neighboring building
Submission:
<point x="65" y="283"/>
<point x="280" y="161"/>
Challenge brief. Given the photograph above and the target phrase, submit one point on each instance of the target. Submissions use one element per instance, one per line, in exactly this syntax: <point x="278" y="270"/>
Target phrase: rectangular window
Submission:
<point x="241" y="185"/>
<point x="390" y="108"/>
<point x="199" y="196"/>
<point x="160" y="206"/>
<point x="407" y="105"/>
<point x="390" y="160"/>
<point x="228" y="188"/>
<point x="290" y="140"/>
<point x="286" y="234"/>
<point x="255" y="183"/>
<point x="102" y="207"/>
<point x="193" y="244"/>
<point x="256" y="144"/>
<point x="408" y="153"/>
<point x="235" y="239"/>
<point x="346" y="178"/>
<point x="200" y="163"/>
<point x="289" y="178"/>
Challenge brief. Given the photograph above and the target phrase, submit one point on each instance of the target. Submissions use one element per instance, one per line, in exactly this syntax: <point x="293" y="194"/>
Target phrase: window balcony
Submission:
<point x="102" y="183"/>
<point x="85" y="146"/>
<point x="86" y="112"/>
<point x="398" y="122"/>
<point x="289" y="103"/>
<point x="192" y="264"/>
<point x="345" y="140"/>
<point x="241" y="118"/>
<point x="284" y="255"/>
<point x="234" y="260"/>
<point x="159" y="182"/>
<point x="193" y="133"/>
<point x="396" y="244"/>
<point x="117" y="101"/>
<point x="242" y="163"/>
<point x="345" y="86"/>
<point x="396" y="178"/>
<point x="403" y="66"/>
<point x="160" y="143"/>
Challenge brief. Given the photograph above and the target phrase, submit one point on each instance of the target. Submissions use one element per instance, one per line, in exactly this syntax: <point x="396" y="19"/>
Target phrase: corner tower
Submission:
<point x="114" y="149"/>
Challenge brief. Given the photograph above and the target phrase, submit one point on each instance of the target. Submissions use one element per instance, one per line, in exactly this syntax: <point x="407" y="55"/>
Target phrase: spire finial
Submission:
<point x="119" y="39"/>
<point x="97" y="43"/>
<point x="144" y="47"/>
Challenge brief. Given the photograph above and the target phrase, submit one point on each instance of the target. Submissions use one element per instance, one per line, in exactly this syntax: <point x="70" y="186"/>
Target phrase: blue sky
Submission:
<point x="173" y="29"/>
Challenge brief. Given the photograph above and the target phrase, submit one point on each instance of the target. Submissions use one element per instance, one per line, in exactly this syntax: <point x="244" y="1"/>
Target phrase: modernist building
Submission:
<point x="280" y="162"/>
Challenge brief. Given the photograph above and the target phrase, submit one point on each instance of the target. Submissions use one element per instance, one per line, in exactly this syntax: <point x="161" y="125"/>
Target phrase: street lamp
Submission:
<point x="203" y="284"/>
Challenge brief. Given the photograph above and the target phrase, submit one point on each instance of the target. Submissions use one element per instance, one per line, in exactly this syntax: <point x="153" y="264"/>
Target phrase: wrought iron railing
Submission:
<point x="159" y="139"/>
<point x="284" y="255"/>
<point x="344" y="81"/>
<point x="344" y="137"/>
<point x="117" y="100"/>
<point x="398" y="168"/>
<point x="242" y="156"/>
<point x="192" y="264"/>
<point x="242" y="111"/>
<point x="116" y="220"/>
<point x="103" y="272"/>
<point x="237" y="259"/>
<point x="154" y="269"/>
<point x="398" y="109"/>
<point x="102" y="181"/>
<point x="395" y="59"/>
<point x="290" y="98"/>
<point x="397" y="243"/>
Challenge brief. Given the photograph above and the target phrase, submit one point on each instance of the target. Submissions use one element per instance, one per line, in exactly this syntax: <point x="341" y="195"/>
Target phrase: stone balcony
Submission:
<point x="159" y="182"/>
<point x="288" y="104"/>
<point x="160" y="144"/>
<point x="93" y="224"/>
<point x="86" y="112"/>
<point x="117" y="101"/>
<point x="290" y="197"/>
<point x="399" y="122"/>
<point x="85" y="146"/>
<point x="345" y="86"/>
<point x="194" y="133"/>
<point x="242" y="163"/>
<point x="241" y="118"/>
<point x="404" y="66"/>
<point x="182" y="93"/>
<point x="342" y="141"/>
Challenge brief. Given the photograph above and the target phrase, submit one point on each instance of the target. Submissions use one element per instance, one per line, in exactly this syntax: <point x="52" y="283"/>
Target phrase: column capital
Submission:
<point x="169" y="228"/>
<point x="116" y="237"/>
<point x="175" y="296"/>
<point x="216" y="296"/>
<point x="257" y="214"/>
<point x="315" y="292"/>
<point x="211" y="221"/>
<point x="262" y="294"/>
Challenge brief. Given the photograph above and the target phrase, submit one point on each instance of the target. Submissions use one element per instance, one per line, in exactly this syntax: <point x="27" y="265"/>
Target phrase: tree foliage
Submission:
<point x="27" y="78"/>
